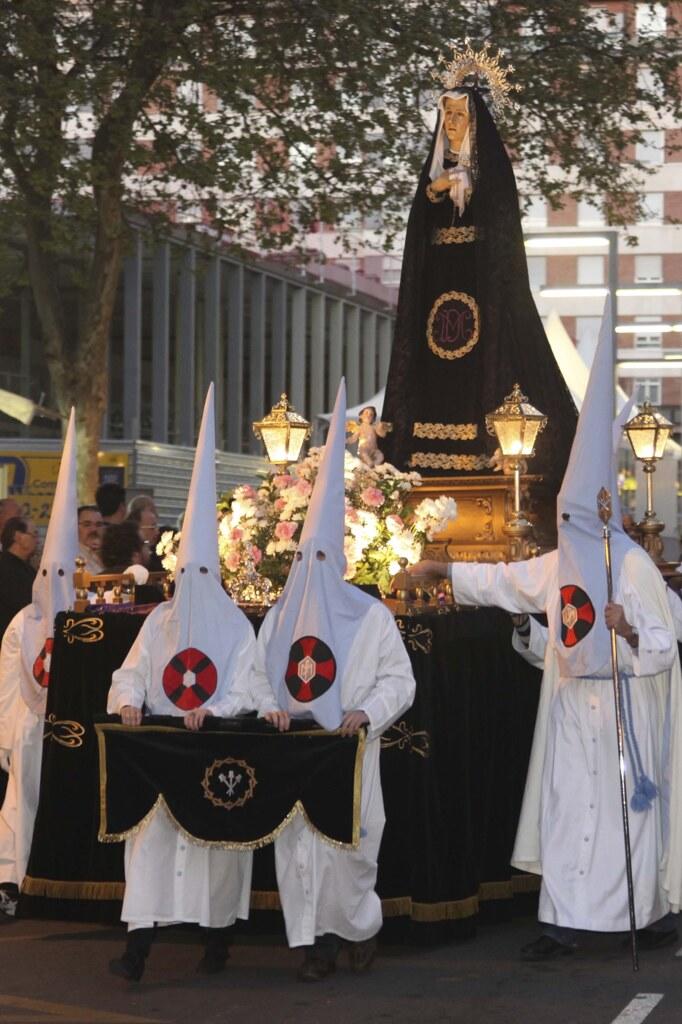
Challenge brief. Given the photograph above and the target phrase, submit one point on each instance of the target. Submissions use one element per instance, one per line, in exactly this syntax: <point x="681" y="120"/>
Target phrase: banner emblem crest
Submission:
<point x="190" y="679"/>
<point x="311" y="669"/>
<point x="577" y="615"/>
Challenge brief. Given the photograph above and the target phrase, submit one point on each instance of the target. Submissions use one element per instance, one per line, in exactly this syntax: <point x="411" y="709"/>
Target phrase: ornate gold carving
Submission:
<point x="446" y="431"/>
<point x="472" y="305"/>
<point x="433" y="196"/>
<point x="237" y="776"/>
<point x="400" y="735"/>
<point x="417" y="637"/>
<point x="438" y="460"/>
<point x="481" y="67"/>
<point x="87" y="631"/>
<point x="487" y="533"/>
<point x="454" y="236"/>
<point x="66" y="732"/>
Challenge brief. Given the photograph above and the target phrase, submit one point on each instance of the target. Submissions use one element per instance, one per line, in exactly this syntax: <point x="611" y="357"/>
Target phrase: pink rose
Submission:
<point x="256" y="554"/>
<point x="303" y="487"/>
<point x="373" y="497"/>
<point x="352" y="515"/>
<point x="236" y="533"/>
<point x="280" y="503"/>
<point x="248" y="491"/>
<point x="282" y="480"/>
<point x="394" y="523"/>
<point x="285" y="531"/>
<point x="232" y="561"/>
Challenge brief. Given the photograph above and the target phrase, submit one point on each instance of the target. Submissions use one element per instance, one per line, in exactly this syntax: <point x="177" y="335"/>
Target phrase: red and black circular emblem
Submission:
<point x="311" y="669"/>
<point x="577" y="615"/>
<point x="41" y="666"/>
<point x="177" y="679"/>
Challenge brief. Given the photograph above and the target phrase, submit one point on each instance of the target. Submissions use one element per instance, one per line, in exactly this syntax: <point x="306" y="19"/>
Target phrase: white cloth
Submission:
<point x="322" y="888"/>
<point x="460" y="175"/>
<point x="168" y="878"/>
<point x="570" y="829"/>
<point x="21" y="732"/>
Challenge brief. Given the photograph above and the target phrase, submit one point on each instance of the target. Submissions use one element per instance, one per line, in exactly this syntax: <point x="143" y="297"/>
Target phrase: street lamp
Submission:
<point x="282" y="432"/>
<point x="516" y="424"/>
<point x="648" y="433"/>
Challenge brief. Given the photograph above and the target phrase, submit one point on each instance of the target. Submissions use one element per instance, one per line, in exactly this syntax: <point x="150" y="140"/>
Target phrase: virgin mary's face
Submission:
<point x="455" y="120"/>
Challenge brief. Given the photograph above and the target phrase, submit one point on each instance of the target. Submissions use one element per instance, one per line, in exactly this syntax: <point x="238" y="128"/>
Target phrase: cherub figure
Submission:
<point x="365" y="431"/>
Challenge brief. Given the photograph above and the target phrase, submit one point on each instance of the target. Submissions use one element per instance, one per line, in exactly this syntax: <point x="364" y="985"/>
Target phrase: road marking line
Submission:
<point x="70" y="1013"/>
<point x="639" y="1008"/>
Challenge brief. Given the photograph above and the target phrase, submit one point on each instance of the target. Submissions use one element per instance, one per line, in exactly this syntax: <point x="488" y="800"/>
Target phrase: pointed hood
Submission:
<point x="318" y="614"/>
<point x="199" y="634"/>
<point x="583" y="639"/>
<point x="53" y="589"/>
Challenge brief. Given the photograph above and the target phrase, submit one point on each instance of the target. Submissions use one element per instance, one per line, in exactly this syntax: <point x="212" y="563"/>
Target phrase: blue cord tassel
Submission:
<point x="645" y="791"/>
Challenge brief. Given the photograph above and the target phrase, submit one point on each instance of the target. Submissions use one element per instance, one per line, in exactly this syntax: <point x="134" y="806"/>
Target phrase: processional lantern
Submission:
<point x="516" y="424"/>
<point x="282" y="432"/>
<point x="648" y="433"/>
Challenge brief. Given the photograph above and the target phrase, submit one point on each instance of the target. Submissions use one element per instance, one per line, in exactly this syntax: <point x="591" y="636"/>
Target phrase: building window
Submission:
<point x="611" y="23"/>
<point x="535" y="212"/>
<point x="648" y="389"/>
<point x="589" y="214"/>
<point x="590" y="269"/>
<point x="191" y="92"/>
<point x="537" y="271"/>
<point x="648" y="269"/>
<point x="390" y="271"/>
<point x="587" y="333"/>
<point x="651" y="19"/>
<point x="652" y="209"/>
<point x="651" y="149"/>
<point x="648" y="339"/>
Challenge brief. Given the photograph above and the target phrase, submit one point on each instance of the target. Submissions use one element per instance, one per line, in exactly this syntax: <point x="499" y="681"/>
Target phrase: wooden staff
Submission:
<point x="604" y="510"/>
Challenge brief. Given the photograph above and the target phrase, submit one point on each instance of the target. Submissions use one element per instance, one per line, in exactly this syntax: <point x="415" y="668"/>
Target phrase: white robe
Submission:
<point x="170" y="879"/>
<point x="21" y="732"/>
<point x="322" y="888"/>
<point x="570" y="829"/>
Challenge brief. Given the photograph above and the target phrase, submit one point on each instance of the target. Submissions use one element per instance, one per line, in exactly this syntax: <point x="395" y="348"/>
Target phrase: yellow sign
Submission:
<point x="31" y="478"/>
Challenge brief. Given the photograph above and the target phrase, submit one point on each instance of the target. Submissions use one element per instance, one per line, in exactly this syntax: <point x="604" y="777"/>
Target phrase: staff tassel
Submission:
<point x="604" y="510"/>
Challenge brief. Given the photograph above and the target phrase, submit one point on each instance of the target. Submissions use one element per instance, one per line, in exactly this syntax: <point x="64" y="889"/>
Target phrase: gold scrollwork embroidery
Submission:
<point x="87" y="631"/>
<point x="400" y="735"/>
<point x="446" y="431"/>
<point x="231" y="780"/>
<point x="460" y="327"/>
<point x="438" y="460"/>
<point x="65" y="731"/>
<point x="454" y="236"/>
<point x="417" y="637"/>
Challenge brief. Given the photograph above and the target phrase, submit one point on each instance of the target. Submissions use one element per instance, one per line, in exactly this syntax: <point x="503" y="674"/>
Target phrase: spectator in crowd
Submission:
<point x="9" y="509"/>
<point x="142" y="512"/>
<point x="90" y="527"/>
<point x="122" y="548"/>
<point x="19" y="539"/>
<point x="111" y="501"/>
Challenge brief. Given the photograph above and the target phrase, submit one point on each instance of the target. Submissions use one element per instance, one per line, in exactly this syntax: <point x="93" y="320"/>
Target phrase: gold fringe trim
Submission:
<point x="62" y="890"/>
<point x="104" y="836"/>
<point x="446" y="431"/>
<point x="265" y="900"/>
<point x="454" y="236"/>
<point x="438" y="460"/>
<point x="525" y="883"/>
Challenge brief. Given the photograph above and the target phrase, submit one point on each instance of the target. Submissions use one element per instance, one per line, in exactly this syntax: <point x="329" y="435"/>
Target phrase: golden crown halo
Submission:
<point x="479" y="68"/>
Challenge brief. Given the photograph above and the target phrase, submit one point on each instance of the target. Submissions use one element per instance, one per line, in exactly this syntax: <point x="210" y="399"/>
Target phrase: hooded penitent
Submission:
<point x="53" y="589"/>
<point x="584" y="645"/>
<point x="467" y="328"/>
<point x="318" y="614"/>
<point x="197" y="633"/>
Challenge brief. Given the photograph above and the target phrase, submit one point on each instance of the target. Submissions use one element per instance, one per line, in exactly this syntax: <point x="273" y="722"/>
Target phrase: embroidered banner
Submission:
<point x="234" y="785"/>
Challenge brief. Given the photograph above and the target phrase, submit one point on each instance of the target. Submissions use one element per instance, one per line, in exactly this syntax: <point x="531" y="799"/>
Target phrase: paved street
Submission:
<point x="58" y="972"/>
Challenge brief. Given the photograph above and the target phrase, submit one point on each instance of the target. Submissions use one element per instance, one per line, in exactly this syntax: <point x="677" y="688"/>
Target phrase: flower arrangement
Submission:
<point x="261" y="525"/>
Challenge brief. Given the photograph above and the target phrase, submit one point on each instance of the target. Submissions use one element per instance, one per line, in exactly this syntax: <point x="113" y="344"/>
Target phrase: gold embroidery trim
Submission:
<point x="417" y="637"/>
<point x="433" y="196"/>
<point x="65" y="731"/>
<point x="455" y="353"/>
<point x="248" y="790"/>
<point x="400" y="735"/>
<point x="454" y="236"/>
<point x="105" y="836"/>
<point x="438" y="460"/>
<point x="63" y="890"/>
<point x="446" y="431"/>
<point x="88" y="631"/>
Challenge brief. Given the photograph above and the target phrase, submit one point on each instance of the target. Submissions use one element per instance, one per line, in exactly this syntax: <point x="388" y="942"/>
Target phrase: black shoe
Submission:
<point x="362" y="954"/>
<point x="315" y="968"/>
<point x="212" y="962"/>
<point x="9" y="898"/>
<point x="129" y="966"/>
<point x="545" y="948"/>
<point x="649" y="938"/>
